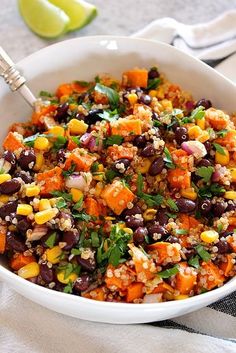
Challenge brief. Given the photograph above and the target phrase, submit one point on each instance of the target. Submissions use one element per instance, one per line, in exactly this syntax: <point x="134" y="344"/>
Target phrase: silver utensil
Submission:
<point x="14" y="79"/>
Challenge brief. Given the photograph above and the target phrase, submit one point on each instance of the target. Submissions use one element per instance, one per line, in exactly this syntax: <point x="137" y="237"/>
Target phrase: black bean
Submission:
<point x="157" y="229"/>
<point x="121" y="165"/>
<point x="156" y="167"/>
<point x="87" y="264"/>
<point x="82" y="283"/>
<point x="219" y="208"/>
<point x="174" y="124"/>
<point x="61" y="156"/>
<point x="204" y="163"/>
<point x="181" y="134"/>
<point x="46" y="273"/>
<point x="80" y="116"/>
<point x="185" y="205"/>
<point x="155" y="116"/>
<point x="207" y="145"/>
<point x="145" y="99"/>
<point x="153" y="73"/>
<point x="205" y="206"/>
<point x="189" y="253"/>
<point x="172" y="239"/>
<point x="27" y="179"/>
<point x="140" y="141"/>
<point x="93" y="116"/>
<point x="139" y="235"/>
<point x="223" y="247"/>
<point x="148" y="151"/>
<point x="9" y="187"/>
<point x="133" y="222"/>
<point x="66" y="216"/>
<point x="8" y="208"/>
<point x="204" y="103"/>
<point x="11" y="158"/>
<point x="23" y="224"/>
<point x="134" y="89"/>
<point x="27" y="159"/>
<point x="225" y="233"/>
<point x="14" y="243"/>
<point x="162" y="216"/>
<point x="61" y="112"/>
<point x="132" y="211"/>
<point x="231" y="207"/>
<point x="71" y="238"/>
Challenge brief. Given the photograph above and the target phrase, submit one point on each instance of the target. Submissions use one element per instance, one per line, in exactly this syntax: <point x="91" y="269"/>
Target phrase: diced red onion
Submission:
<point x="92" y="144"/>
<point x="189" y="105"/>
<point x="195" y="148"/>
<point x="152" y="298"/>
<point x="84" y="139"/>
<point x="80" y="182"/>
<point x="218" y="174"/>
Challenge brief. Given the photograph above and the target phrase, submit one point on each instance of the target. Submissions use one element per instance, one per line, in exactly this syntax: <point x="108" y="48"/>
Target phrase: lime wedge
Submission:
<point x="80" y="12"/>
<point x="44" y="18"/>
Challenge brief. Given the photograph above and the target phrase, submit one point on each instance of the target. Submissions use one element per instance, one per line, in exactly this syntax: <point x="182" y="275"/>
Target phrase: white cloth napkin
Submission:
<point x="210" y="42"/>
<point x="27" y="327"/>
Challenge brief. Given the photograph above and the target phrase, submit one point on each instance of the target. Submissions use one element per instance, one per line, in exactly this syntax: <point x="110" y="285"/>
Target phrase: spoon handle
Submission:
<point x="13" y="77"/>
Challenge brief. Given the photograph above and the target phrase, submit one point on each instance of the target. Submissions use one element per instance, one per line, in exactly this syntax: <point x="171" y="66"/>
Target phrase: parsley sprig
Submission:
<point x="205" y="173"/>
<point x="168" y="159"/>
<point x="151" y="200"/>
<point x="111" y="94"/>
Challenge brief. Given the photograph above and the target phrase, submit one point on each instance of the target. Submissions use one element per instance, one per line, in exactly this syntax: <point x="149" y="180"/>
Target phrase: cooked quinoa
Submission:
<point x="121" y="191"/>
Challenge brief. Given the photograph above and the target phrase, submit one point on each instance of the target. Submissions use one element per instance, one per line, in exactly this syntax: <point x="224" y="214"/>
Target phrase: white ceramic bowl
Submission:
<point x="83" y="58"/>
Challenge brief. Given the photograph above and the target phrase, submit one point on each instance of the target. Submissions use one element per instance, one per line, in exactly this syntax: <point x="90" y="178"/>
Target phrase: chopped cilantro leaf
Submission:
<point x="75" y="251"/>
<point x="50" y="242"/>
<point x="181" y="231"/>
<point x="111" y="94"/>
<point x="219" y="148"/>
<point x="203" y="253"/>
<point x="153" y="83"/>
<point x="78" y="204"/>
<point x="76" y="140"/>
<point x="168" y="159"/>
<point x="172" y="205"/>
<point x="29" y="141"/>
<point x="114" y="140"/>
<point x="83" y="83"/>
<point x="198" y="113"/>
<point x="211" y="190"/>
<point x="222" y="133"/>
<point x="205" y="173"/>
<point x="68" y="288"/>
<point x="194" y="261"/>
<point x="169" y="272"/>
<point x="95" y="239"/>
<point x="61" y="203"/>
<point x="108" y="115"/>
<point x="151" y="200"/>
<point x="110" y="175"/>
<point x="70" y="171"/>
<point x="64" y="195"/>
<point x="59" y="143"/>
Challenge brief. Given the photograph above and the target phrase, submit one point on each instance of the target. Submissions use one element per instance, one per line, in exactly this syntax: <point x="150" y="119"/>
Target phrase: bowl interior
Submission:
<point x="84" y="58"/>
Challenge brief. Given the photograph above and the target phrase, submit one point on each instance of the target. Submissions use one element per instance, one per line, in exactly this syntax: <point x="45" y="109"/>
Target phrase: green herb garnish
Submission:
<point x="222" y="133"/>
<point x="181" y="231"/>
<point x="61" y="203"/>
<point x="64" y="195"/>
<point x="50" y="242"/>
<point x="219" y="148"/>
<point x="114" y="140"/>
<point x="111" y="94"/>
<point x="205" y="173"/>
<point x="172" y="205"/>
<point x="76" y="140"/>
<point x="68" y="288"/>
<point x="110" y="174"/>
<point x="29" y="141"/>
<point x="168" y="159"/>
<point x="194" y="261"/>
<point x="109" y="115"/>
<point x="67" y="173"/>
<point x="82" y="83"/>
<point x="78" y="204"/>
<point x="169" y="272"/>
<point x="151" y="200"/>
<point x="95" y="239"/>
<point x="153" y="83"/>
<point x="198" y="113"/>
<point x="203" y="253"/>
<point x="211" y="190"/>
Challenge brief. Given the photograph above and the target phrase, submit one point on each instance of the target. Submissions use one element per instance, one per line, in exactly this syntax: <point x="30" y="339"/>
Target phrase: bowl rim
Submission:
<point x="204" y="298"/>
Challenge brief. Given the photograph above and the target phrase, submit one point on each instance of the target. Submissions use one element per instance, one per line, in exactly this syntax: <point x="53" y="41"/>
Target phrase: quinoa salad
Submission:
<point x="121" y="191"/>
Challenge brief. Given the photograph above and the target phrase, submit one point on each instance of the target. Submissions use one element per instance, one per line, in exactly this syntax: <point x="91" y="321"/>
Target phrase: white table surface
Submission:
<point x="118" y="17"/>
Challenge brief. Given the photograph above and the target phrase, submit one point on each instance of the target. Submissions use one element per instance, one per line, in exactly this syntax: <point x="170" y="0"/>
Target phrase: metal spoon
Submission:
<point x="13" y="78"/>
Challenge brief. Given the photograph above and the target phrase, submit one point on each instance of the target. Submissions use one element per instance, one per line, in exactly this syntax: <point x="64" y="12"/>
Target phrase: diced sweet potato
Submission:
<point x="135" y="78"/>
<point x="186" y="278"/>
<point x="180" y="158"/>
<point x="53" y="181"/>
<point x="21" y="260"/>
<point x="227" y="266"/>
<point x="211" y="278"/>
<point x="117" y="196"/>
<point x="3" y="232"/>
<point x="120" y="281"/>
<point x="81" y="159"/>
<point x="117" y="152"/>
<point x="95" y="294"/>
<point x="67" y="89"/>
<point x="12" y="142"/>
<point x="163" y="287"/>
<point x="92" y="207"/>
<point x="216" y="118"/>
<point x="38" y="117"/>
<point x="126" y="127"/>
<point x="164" y="252"/>
<point x="134" y="291"/>
<point x="179" y="178"/>
<point x="144" y="267"/>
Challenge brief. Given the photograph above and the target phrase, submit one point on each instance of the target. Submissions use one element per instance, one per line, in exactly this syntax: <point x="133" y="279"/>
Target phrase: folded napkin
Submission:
<point x="213" y="42"/>
<point x="28" y="327"/>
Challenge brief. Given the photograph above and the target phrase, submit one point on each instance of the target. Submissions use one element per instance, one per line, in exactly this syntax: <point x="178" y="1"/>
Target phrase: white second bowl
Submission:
<point x="83" y="59"/>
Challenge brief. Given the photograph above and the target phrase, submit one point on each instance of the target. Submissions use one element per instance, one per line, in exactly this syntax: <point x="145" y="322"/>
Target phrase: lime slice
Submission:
<point x="80" y="12"/>
<point x="44" y="18"/>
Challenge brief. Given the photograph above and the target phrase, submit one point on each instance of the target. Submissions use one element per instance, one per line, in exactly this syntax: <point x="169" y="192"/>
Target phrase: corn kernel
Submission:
<point x="222" y="159"/>
<point x="194" y="132"/>
<point x="233" y="174"/>
<point x="4" y="177"/>
<point x="73" y="106"/>
<point x="209" y="236"/>
<point x="230" y="195"/>
<point x="149" y="214"/>
<point x="167" y="105"/>
<point x="152" y="93"/>
<point x="32" y="191"/>
<point x="76" y="194"/>
<point x="203" y="137"/>
<point x="122" y="225"/>
<point x="41" y="143"/>
<point x="45" y="216"/>
<point x="181" y="296"/>
<point x="71" y="278"/>
<point x="56" y="131"/>
<point x="144" y="166"/>
<point x="53" y="254"/>
<point x="128" y="231"/>
<point x="4" y="198"/>
<point x="77" y="127"/>
<point x="99" y="176"/>
<point x="98" y="188"/>
<point x="109" y="218"/>
<point x="44" y="204"/>
<point x="132" y="98"/>
<point x="24" y="209"/>
<point x="189" y="193"/>
<point x="39" y="161"/>
<point x="201" y="123"/>
<point x="30" y="270"/>
<point x="64" y="98"/>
